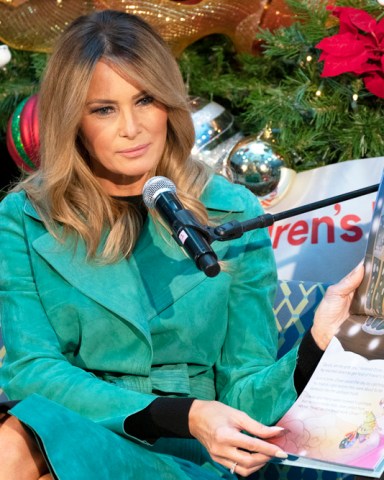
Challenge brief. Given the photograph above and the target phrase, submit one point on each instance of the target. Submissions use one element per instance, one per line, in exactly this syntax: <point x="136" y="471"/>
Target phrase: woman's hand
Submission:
<point x="334" y="308"/>
<point x="219" y="428"/>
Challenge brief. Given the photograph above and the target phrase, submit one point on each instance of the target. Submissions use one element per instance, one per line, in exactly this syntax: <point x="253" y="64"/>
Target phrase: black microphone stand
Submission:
<point x="235" y="229"/>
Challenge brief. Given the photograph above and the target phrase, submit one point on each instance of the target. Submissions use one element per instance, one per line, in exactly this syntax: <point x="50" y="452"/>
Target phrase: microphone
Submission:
<point x="159" y="193"/>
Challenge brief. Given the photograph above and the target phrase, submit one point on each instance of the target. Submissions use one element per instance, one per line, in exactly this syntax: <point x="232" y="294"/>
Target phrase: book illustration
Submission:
<point x="363" y="334"/>
<point x="369" y="297"/>
<point x="362" y="432"/>
<point x="339" y="417"/>
<point x="375" y="286"/>
<point x="373" y="326"/>
<point x="374" y="264"/>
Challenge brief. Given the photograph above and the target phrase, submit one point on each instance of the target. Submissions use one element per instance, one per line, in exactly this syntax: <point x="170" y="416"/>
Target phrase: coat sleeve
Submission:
<point x="33" y="361"/>
<point x="248" y="376"/>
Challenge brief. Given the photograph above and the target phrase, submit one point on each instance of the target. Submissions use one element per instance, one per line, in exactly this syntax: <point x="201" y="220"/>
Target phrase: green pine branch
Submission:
<point x="318" y="120"/>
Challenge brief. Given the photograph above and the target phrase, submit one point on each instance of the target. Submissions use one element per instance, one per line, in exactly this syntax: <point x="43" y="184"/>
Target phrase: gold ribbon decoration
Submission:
<point x="34" y="25"/>
<point x="13" y="3"/>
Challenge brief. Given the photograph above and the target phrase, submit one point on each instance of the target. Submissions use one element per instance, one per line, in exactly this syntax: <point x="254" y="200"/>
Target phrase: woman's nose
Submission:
<point x="129" y="124"/>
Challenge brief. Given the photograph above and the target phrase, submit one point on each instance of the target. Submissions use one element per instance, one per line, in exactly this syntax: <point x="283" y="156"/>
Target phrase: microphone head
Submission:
<point x="154" y="187"/>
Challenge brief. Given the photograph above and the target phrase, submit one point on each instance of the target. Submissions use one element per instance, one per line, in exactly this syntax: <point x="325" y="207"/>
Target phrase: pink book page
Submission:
<point x="339" y="418"/>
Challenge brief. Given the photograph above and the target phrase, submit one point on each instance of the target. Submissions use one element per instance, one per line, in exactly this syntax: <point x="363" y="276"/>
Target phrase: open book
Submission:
<point x="337" y="423"/>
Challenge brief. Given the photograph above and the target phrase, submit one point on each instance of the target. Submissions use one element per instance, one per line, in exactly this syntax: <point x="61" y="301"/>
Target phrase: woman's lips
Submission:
<point x="134" y="152"/>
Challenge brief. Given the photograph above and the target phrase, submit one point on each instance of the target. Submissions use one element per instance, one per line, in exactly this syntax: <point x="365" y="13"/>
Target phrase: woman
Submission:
<point x="129" y="361"/>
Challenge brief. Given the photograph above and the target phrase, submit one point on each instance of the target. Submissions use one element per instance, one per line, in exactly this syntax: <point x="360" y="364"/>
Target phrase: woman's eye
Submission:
<point x="103" y="110"/>
<point x="146" y="100"/>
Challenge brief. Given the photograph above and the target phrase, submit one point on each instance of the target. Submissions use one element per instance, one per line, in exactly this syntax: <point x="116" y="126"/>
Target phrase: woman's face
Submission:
<point x="124" y="130"/>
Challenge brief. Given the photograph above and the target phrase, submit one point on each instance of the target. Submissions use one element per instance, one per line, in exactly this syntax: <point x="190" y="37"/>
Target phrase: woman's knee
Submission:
<point x="19" y="451"/>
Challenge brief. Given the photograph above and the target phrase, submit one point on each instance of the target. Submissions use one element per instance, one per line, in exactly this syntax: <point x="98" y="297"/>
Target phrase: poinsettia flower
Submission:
<point x="353" y="19"/>
<point x="357" y="48"/>
<point x="375" y="84"/>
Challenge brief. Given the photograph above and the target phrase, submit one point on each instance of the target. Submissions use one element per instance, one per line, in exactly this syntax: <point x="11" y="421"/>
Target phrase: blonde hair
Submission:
<point x="64" y="189"/>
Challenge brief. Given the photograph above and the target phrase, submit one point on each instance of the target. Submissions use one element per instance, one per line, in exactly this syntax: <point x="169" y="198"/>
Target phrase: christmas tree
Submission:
<point x="317" y="120"/>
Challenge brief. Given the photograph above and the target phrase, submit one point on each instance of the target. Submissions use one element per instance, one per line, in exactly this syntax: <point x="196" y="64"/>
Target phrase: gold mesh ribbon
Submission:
<point x="13" y="3"/>
<point x="34" y="25"/>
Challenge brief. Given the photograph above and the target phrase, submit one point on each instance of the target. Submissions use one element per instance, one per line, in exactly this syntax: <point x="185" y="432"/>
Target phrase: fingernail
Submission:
<point x="281" y="454"/>
<point x="280" y="433"/>
<point x="277" y="428"/>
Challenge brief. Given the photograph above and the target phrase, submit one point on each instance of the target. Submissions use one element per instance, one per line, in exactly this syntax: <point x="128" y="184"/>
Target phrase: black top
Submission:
<point x="137" y="202"/>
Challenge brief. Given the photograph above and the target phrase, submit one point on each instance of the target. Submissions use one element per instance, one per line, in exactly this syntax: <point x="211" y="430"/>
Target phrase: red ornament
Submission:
<point x="23" y="135"/>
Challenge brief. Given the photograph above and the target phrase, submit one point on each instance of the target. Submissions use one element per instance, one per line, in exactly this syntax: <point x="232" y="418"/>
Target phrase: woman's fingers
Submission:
<point x="220" y="429"/>
<point x="218" y="426"/>
<point x="253" y="445"/>
<point x="244" y="449"/>
<point x="245" y="471"/>
<point x="334" y="308"/>
<point x="243" y="463"/>
<point x="351" y="281"/>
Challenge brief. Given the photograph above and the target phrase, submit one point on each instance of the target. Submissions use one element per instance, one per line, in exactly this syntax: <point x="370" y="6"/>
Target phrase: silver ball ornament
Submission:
<point x="253" y="163"/>
<point x="250" y="161"/>
<point x="215" y="132"/>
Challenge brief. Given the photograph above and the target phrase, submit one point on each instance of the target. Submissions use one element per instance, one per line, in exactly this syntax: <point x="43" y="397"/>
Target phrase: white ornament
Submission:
<point x="380" y="2"/>
<point x="5" y="55"/>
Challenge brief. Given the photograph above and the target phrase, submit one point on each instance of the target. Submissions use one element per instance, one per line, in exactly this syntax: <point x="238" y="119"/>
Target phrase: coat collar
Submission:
<point x="215" y="196"/>
<point x="151" y="280"/>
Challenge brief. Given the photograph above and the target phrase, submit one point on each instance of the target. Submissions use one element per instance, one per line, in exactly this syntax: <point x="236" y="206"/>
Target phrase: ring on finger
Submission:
<point x="233" y="467"/>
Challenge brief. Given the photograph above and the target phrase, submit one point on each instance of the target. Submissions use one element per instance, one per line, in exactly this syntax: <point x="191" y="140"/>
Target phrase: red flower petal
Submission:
<point x="374" y="83"/>
<point x="342" y="44"/>
<point x="354" y="18"/>
<point x="368" y="67"/>
<point x="357" y="48"/>
<point x="334" y="65"/>
<point x="379" y="31"/>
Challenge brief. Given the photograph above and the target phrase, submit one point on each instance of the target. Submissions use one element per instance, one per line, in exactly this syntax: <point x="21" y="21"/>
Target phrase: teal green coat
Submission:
<point x="104" y="341"/>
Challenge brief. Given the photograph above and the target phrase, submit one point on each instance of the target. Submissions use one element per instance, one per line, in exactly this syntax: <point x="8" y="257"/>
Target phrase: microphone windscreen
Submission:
<point x="154" y="187"/>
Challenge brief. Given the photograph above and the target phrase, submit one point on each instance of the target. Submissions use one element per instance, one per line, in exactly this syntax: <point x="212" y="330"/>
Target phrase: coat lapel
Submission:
<point x="114" y="286"/>
<point x="152" y="279"/>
